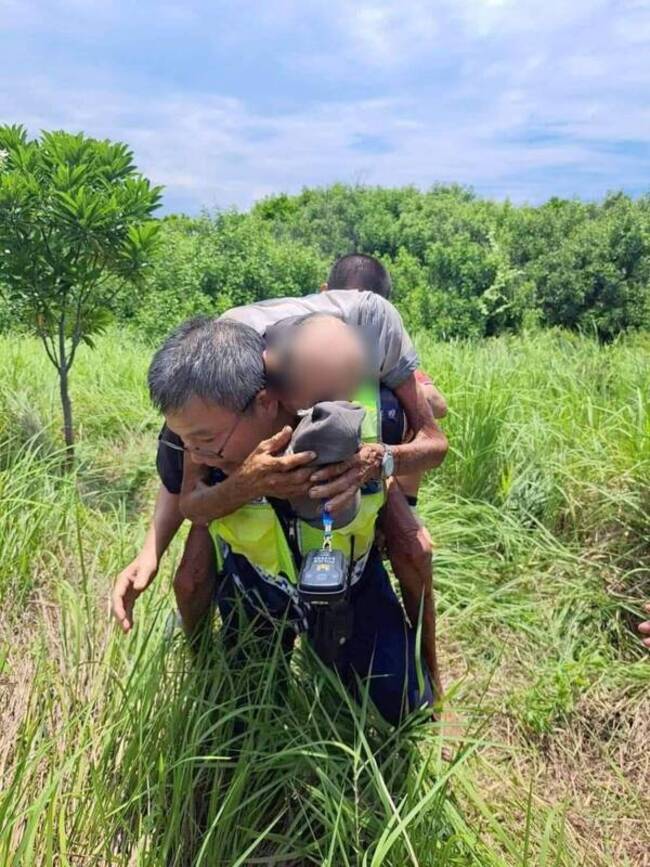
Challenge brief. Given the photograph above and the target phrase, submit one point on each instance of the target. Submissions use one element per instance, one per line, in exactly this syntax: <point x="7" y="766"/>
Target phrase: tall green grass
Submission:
<point x="128" y="751"/>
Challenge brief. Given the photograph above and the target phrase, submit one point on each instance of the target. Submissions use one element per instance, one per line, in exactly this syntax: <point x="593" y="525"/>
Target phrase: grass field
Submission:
<point x="120" y="751"/>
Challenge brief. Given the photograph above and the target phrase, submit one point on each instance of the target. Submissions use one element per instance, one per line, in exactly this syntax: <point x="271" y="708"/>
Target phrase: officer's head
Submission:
<point x="208" y="379"/>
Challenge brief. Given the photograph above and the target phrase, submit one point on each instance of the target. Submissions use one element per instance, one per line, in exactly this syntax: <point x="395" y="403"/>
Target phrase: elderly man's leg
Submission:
<point x="195" y="581"/>
<point x="410" y="551"/>
<point x="383" y="647"/>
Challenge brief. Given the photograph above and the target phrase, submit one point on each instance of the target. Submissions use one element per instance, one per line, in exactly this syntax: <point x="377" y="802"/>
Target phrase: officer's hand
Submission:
<point x="644" y="628"/>
<point x="339" y="483"/>
<point x="265" y="473"/>
<point x="130" y="583"/>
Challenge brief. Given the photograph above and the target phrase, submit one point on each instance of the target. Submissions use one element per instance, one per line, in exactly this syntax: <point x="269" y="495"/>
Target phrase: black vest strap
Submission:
<point x="287" y="522"/>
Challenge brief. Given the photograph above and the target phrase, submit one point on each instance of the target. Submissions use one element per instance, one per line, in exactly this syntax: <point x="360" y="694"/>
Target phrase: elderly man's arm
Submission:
<point x="263" y="473"/>
<point x="338" y="483"/>
<point x="428" y="447"/>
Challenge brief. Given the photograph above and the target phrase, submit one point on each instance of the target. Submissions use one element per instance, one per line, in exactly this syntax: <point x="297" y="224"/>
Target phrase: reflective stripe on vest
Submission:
<point x="254" y="530"/>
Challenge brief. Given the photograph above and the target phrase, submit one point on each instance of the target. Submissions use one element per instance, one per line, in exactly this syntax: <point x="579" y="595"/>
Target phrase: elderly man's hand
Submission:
<point x="338" y="483"/>
<point x="264" y="473"/>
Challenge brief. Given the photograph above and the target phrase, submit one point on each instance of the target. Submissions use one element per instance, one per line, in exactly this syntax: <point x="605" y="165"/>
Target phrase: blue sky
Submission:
<point x="226" y="102"/>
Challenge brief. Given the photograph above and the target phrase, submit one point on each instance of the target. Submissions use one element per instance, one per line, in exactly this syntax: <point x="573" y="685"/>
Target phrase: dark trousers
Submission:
<point x="380" y="651"/>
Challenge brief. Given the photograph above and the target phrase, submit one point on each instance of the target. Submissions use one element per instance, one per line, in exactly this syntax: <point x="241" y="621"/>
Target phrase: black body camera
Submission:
<point x="323" y="577"/>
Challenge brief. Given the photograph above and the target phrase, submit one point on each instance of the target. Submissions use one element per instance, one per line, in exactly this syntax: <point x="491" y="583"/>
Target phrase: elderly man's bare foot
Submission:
<point x="644" y="628"/>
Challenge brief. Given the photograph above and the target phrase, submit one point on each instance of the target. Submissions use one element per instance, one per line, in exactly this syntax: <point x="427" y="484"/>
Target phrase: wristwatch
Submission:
<point x="387" y="462"/>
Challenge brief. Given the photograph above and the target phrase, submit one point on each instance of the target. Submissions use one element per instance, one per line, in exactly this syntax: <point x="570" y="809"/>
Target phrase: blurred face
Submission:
<point x="327" y="361"/>
<point x="218" y="437"/>
<point x="321" y="379"/>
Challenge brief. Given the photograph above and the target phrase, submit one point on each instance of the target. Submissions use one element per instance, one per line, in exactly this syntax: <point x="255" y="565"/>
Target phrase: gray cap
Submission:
<point x="332" y="429"/>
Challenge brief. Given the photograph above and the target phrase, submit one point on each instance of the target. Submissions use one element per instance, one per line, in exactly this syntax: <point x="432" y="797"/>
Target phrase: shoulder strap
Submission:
<point x="285" y="523"/>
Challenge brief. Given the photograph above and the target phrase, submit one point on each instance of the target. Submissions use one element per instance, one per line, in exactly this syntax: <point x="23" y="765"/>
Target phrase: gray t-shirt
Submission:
<point x="393" y="357"/>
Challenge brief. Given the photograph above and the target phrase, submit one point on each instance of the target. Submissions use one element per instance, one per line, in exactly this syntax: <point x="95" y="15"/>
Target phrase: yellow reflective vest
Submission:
<point x="254" y="531"/>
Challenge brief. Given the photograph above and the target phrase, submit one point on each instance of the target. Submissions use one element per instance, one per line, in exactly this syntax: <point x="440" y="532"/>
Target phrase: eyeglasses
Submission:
<point x="210" y="453"/>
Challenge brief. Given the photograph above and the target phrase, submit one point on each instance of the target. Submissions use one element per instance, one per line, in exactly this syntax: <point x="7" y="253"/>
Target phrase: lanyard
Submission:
<point x="328" y="524"/>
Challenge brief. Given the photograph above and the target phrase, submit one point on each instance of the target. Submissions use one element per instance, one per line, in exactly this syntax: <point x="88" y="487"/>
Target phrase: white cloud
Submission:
<point x="511" y="17"/>
<point x="516" y="98"/>
<point x="388" y="33"/>
<point x="201" y="148"/>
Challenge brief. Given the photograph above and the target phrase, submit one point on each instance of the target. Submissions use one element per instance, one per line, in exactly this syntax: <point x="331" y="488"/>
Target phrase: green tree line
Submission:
<point x="462" y="266"/>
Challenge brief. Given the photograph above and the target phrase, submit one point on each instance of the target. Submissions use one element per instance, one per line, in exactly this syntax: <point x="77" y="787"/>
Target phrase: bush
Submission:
<point x="211" y="264"/>
<point x="461" y="266"/>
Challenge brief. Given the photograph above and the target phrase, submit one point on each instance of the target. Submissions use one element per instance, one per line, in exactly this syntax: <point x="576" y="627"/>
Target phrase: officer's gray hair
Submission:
<point x="218" y="360"/>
